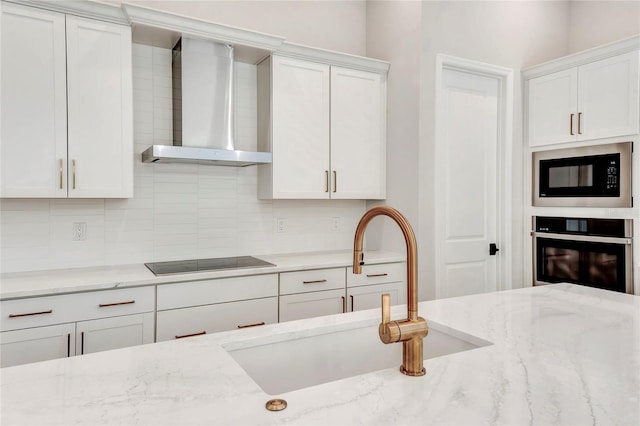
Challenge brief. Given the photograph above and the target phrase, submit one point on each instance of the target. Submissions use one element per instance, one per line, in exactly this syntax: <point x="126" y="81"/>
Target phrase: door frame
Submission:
<point x="504" y="162"/>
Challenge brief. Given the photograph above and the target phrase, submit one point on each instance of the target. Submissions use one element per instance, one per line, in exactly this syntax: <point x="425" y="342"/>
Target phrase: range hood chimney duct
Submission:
<point x="203" y="108"/>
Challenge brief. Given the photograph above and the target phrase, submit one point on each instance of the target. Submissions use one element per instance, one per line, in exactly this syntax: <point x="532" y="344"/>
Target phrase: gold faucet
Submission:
<point x="412" y="330"/>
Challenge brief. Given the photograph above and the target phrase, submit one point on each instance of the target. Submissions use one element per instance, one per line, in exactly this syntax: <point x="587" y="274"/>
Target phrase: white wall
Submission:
<point x="593" y="23"/>
<point x="334" y="25"/>
<point x="179" y="211"/>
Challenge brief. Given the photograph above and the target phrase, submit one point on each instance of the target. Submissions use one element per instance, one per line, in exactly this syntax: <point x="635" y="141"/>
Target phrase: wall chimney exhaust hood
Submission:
<point x="203" y="109"/>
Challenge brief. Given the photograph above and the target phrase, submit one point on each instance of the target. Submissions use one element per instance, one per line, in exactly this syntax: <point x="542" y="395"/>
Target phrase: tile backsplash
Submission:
<point x="178" y="211"/>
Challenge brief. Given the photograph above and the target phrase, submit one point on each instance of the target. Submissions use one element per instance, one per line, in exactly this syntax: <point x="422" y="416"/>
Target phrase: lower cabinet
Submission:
<point x="199" y="320"/>
<point x="370" y="297"/>
<point x="309" y="305"/>
<point x="37" y="344"/>
<point x="113" y="333"/>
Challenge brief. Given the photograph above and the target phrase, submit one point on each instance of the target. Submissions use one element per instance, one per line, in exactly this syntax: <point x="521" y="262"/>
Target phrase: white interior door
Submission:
<point x="468" y="122"/>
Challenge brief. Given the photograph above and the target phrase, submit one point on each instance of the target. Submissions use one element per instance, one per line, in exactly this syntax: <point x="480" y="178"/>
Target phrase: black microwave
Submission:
<point x="588" y="176"/>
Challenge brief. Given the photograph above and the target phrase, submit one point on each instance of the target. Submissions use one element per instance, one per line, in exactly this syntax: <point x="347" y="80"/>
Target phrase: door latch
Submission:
<point x="493" y="249"/>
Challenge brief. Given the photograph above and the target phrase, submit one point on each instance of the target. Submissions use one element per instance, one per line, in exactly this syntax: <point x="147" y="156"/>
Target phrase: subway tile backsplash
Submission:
<point x="178" y="211"/>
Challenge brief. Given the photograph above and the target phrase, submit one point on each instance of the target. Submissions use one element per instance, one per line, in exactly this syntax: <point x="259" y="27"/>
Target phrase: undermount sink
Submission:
<point x="299" y="360"/>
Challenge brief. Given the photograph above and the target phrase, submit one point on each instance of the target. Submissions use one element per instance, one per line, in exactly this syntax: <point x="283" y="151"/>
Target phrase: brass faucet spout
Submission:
<point x="412" y="330"/>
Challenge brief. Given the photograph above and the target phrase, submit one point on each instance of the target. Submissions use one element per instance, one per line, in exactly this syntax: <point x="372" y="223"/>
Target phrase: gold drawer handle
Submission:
<point x="191" y="335"/>
<point x="252" y="325"/>
<point x="377" y="275"/>
<point x="104" y="305"/>
<point x="314" y="282"/>
<point x="50" y="311"/>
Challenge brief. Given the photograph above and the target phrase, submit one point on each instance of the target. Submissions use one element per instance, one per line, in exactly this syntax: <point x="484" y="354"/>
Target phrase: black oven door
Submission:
<point x="591" y="263"/>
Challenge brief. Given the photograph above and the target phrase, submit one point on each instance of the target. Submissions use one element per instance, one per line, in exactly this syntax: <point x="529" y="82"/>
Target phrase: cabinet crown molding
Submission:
<point x="86" y="9"/>
<point x="584" y="57"/>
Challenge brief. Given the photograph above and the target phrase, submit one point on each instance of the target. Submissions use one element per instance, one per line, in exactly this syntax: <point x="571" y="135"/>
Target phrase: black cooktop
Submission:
<point x="200" y="265"/>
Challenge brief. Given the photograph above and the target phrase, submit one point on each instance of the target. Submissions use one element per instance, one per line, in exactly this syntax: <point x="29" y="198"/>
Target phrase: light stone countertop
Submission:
<point x="561" y="354"/>
<point x="40" y="283"/>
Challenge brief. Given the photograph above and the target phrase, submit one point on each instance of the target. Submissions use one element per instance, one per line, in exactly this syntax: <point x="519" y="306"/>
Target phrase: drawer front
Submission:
<point x="40" y="311"/>
<point x="314" y="280"/>
<point x="377" y="274"/>
<point x="206" y="292"/>
<point x="199" y="320"/>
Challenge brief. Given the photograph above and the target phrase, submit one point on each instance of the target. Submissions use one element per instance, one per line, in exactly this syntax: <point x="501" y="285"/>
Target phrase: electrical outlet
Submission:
<point x="335" y="223"/>
<point x="280" y="225"/>
<point x="79" y="231"/>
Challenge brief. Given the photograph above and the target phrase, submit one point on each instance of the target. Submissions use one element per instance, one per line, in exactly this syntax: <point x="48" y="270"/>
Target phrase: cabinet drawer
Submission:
<point x="377" y="274"/>
<point x="194" y="293"/>
<point x="39" y="311"/>
<point x="198" y="320"/>
<point x="315" y="280"/>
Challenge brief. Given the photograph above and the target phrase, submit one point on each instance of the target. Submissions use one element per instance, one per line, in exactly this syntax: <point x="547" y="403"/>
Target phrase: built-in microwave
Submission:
<point x="588" y="176"/>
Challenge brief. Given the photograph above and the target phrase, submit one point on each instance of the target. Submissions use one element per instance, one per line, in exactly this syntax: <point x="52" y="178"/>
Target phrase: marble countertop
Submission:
<point x="560" y="354"/>
<point x="40" y="283"/>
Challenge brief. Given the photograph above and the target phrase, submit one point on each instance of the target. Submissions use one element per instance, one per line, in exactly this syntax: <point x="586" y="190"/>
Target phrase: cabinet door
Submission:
<point x="358" y="134"/>
<point x="100" y="109"/>
<point x="370" y="297"/>
<point x="309" y="305"/>
<point x="300" y="128"/>
<point x="34" y="110"/>
<point x="552" y="108"/>
<point x="608" y="97"/>
<point x="114" y="333"/>
<point x="37" y="344"/>
<point x="198" y="320"/>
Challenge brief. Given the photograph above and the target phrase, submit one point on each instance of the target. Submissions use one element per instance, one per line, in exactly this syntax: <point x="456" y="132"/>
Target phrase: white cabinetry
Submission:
<point x="592" y="101"/>
<point x="58" y="326"/>
<point x="314" y="293"/>
<point x="364" y="290"/>
<point x="66" y="106"/>
<point x="201" y="307"/>
<point x="326" y="128"/>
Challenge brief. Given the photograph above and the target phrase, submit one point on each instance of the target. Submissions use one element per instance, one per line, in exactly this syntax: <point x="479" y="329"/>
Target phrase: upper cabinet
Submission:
<point x="326" y="128"/>
<point x="67" y="120"/>
<point x="595" y="100"/>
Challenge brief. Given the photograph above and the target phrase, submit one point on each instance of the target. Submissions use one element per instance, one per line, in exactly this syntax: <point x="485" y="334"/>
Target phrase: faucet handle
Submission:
<point x="386" y="308"/>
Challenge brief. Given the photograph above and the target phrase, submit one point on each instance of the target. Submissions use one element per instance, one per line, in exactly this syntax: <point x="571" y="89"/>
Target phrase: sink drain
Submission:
<point x="276" y="404"/>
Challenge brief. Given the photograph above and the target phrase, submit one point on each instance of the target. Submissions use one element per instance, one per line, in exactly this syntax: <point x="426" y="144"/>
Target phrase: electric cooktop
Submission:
<point x="200" y="265"/>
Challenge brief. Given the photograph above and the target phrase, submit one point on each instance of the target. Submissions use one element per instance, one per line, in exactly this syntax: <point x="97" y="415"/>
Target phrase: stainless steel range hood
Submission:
<point x="203" y="109"/>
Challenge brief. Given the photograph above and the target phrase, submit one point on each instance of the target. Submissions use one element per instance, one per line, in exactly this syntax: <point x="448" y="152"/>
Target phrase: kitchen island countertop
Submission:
<point x="560" y="354"/>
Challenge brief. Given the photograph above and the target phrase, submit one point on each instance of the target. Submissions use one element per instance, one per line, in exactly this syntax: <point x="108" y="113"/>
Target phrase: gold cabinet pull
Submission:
<point x="571" y="124"/>
<point x="105" y="305"/>
<point x="73" y="167"/>
<point x="335" y="181"/>
<point x="50" y="311"/>
<point x="60" y="171"/>
<point x="252" y="325"/>
<point x="377" y="275"/>
<point x="200" y="333"/>
<point x="314" y="282"/>
<point x="326" y="183"/>
<point x="579" y="123"/>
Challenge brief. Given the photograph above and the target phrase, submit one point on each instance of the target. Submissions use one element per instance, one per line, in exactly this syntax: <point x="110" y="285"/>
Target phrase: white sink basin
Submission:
<point x="334" y="353"/>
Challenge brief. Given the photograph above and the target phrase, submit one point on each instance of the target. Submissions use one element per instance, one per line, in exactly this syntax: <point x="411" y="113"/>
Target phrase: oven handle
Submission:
<point x="588" y="238"/>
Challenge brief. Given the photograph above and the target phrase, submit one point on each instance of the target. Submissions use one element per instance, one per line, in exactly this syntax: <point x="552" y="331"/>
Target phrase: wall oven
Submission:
<point x="590" y="252"/>
<point x="588" y="176"/>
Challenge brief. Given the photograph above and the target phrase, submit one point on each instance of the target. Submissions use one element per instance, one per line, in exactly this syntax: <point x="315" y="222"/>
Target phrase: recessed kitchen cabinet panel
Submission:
<point x="552" y="107"/>
<point x="299" y="128"/>
<point x="314" y="304"/>
<point x="33" y="111"/>
<point x="608" y="97"/>
<point x="67" y="119"/>
<point x="100" y="109"/>
<point x="37" y="344"/>
<point x="370" y="297"/>
<point x="114" y="333"/>
<point x="358" y="134"/>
